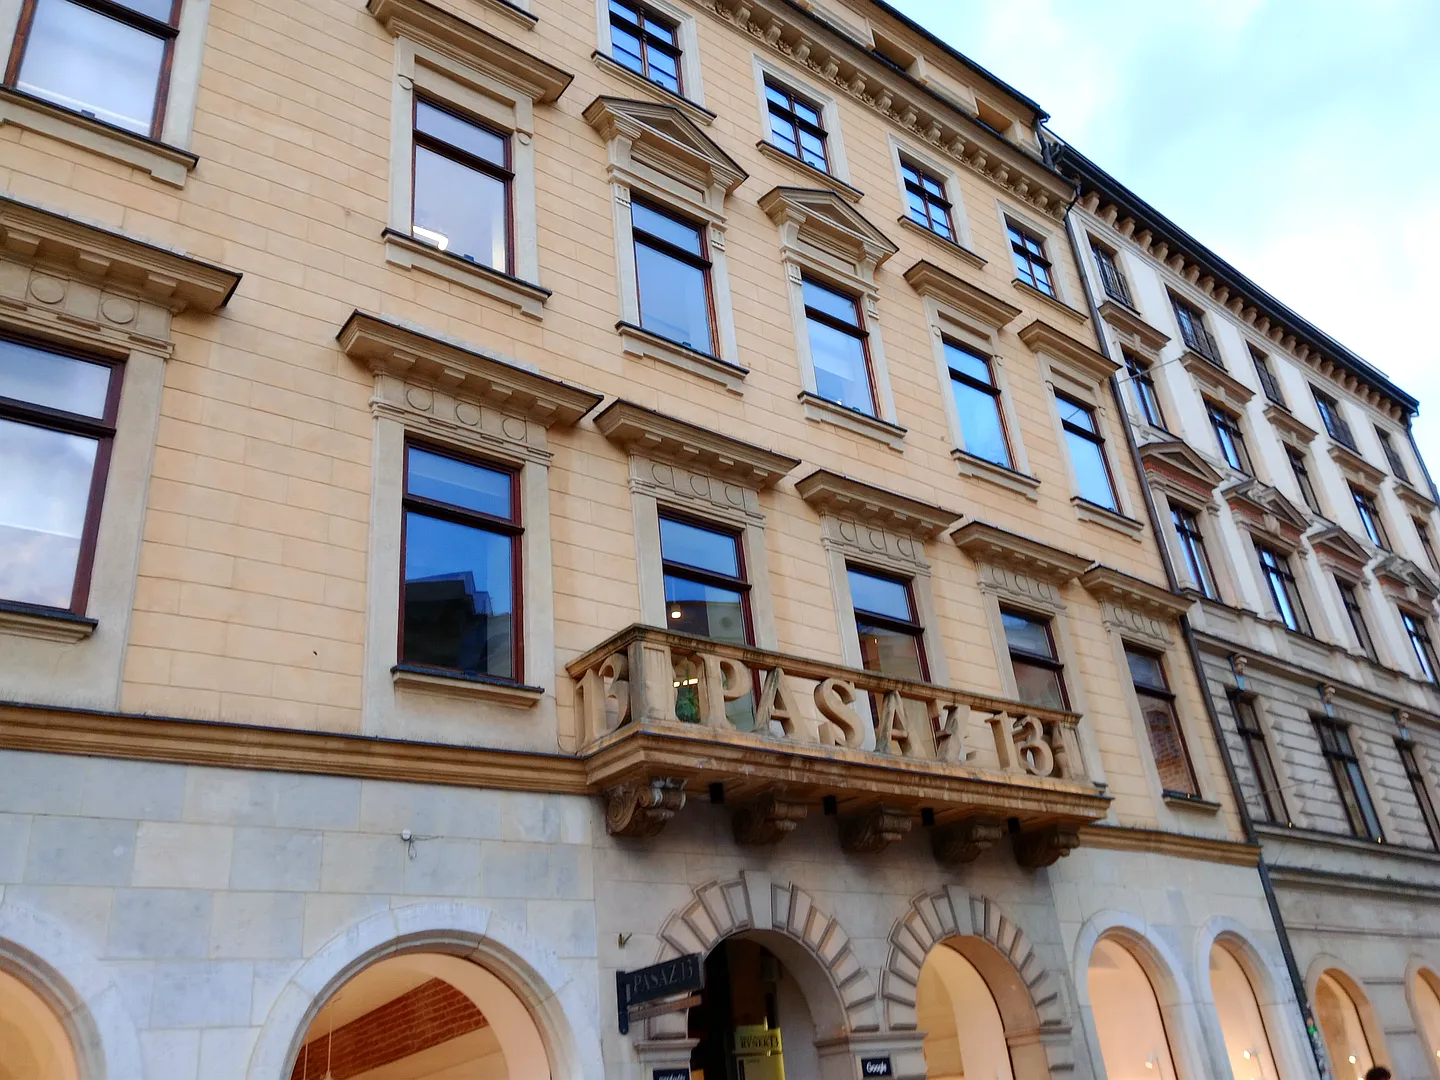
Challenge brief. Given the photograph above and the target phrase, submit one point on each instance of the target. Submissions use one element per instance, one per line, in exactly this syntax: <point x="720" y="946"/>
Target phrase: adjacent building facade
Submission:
<point x="496" y="496"/>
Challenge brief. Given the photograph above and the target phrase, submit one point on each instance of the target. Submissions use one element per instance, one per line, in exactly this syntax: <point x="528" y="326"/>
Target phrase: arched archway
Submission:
<point x="1242" y="1023"/>
<point x="34" y="1044"/>
<point x="1425" y="1004"/>
<point x="1347" y="1024"/>
<point x="1134" y="1041"/>
<point x="964" y="1033"/>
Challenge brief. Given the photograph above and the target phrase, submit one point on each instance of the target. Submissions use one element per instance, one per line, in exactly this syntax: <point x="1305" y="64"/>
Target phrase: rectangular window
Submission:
<point x="1157" y="705"/>
<point x="838" y="349"/>
<point x="672" y="276"/>
<point x="706" y="593"/>
<point x="462" y="186"/>
<point x="1275" y="568"/>
<point x="1416" y="776"/>
<point x="1419" y="635"/>
<point x="1039" y="675"/>
<point x="891" y="637"/>
<point x="1087" y="452"/>
<point x="1350" y="600"/>
<point x="1031" y="265"/>
<point x="977" y="404"/>
<point x="1229" y="435"/>
<point x="1349" y="779"/>
<point x="1113" y="281"/>
<point x="460" y="597"/>
<point x="1392" y="455"/>
<point x="796" y="126"/>
<point x="1143" y="383"/>
<point x="1423" y="532"/>
<point x="645" y="42"/>
<point x="1334" y="422"/>
<point x="57" y="420"/>
<point x="106" y="59"/>
<point x="1192" y="548"/>
<point x="1268" y="382"/>
<point x="1193" y="333"/>
<point x="1301" y="472"/>
<point x="1257" y="749"/>
<point x="1369" y="517"/>
<point x="925" y="200"/>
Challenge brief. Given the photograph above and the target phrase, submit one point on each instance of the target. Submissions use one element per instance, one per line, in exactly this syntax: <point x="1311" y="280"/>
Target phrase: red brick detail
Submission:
<point x="432" y="1013"/>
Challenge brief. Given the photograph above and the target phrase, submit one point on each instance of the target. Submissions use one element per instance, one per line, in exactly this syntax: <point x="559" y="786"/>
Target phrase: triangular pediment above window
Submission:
<point x="821" y="219"/>
<point x="1405" y="581"/>
<point x="1338" y="550"/>
<point x="839" y="496"/>
<point x="1174" y="464"/>
<point x="1263" y="509"/>
<point x="664" y="139"/>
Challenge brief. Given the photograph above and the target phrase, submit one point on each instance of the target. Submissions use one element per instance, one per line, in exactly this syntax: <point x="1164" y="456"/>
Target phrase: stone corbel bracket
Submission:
<point x="641" y="808"/>
<point x="873" y="830"/>
<point x="1044" y="847"/>
<point x="768" y="820"/>
<point x="962" y="842"/>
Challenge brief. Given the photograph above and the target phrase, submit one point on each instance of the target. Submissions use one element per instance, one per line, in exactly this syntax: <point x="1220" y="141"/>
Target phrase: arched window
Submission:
<point x="1241" y="1022"/>
<point x="964" y="1035"/>
<point x="1426" y="994"/>
<point x="1127" y="1015"/>
<point x="33" y="1042"/>
<point x="1339" y="1015"/>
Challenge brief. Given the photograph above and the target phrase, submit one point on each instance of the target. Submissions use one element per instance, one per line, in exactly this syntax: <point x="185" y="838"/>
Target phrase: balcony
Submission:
<point x="1200" y="341"/>
<point x="774" y="737"/>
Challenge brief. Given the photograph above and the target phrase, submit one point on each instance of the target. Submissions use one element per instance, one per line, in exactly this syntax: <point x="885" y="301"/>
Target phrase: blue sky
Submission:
<point x="1299" y="139"/>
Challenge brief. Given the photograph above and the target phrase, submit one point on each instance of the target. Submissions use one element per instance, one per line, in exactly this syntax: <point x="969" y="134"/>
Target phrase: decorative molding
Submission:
<point x="872" y="830"/>
<point x="1289" y="427"/>
<point x="769" y="150"/>
<point x="429" y="24"/>
<point x="640" y="809"/>
<point x="960" y="251"/>
<point x="1355" y="467"/>
<point x="1054" y="302"/>
<point x="1041" y="337"/>
<point x="406" y="251"/>
<point x="664" y="438"/>
<point x="389" y="347"/>
<point x="637" y="341"/>
<point x="448" y="684"/>
<point x="985" y="543"/>
<point x="1096" y="514"/>
<point x="768" y="820"/>
<point x="821" y="220"/>
<point x="1122" y="590"/>
<point x="1338" y="550"/>
<point x="103" y="256"/>
<point x="21" y="620"/>
<point x="962" y="842"/>
<point x="1132" y="330"/>
<point x="1175" y="845"/>
<point x="1175" y="467"/>
<point x="1260" y="508"/>
<point x="977" y="468"/>
<point x="1038" y="848"/>
<point x="665" y="139"/>
<point x="927" y="279"/>
<point x="1404" y="581"/>
<point x="693" y="110"/>
<point x="824" y="411"/>
<point x="840" y="496"/>
<point x="1418" y="501"/>
<point x="1216" y="382"/>
<point x="901" y="552"/>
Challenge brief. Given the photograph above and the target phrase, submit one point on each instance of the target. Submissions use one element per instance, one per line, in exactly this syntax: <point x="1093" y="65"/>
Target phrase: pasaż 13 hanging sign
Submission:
<point x="679" y="978"/>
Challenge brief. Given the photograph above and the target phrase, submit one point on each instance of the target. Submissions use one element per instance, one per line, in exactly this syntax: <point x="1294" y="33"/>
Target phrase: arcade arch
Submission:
<point x="1341" y="1009"/>
<point x="1131" y="1028"/>
<point x="34" y="1044"/>
<point x="1232" y="985"/>
<point x="1425" y="998"/>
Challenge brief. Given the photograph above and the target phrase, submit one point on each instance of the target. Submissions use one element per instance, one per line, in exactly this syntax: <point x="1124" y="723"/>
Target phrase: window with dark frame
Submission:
<point x="706" y="591"/>
<point x="1157" y="706"/>
<point x="1350" y="600"/>
<point x="1262" y="765"/>
<point x="1422" y="532"/>
<point x="1268" y="382"/>
<point x="1370" y="520"/>
<point x="892" y="641"/>
<point x="1111" y="279"/>
<point x="1087" y="452"/>
<point x="1392" y="455"/>
<point x="1301" y="471"/>
<point x="797" y="126"/>
<point x="462" y="186"/>
<point x="977" y="404"/>
<point x="925" y="200"/>
<point x="1338" y="750"/>
<point x="839" y="347"/>
<point x="1418" y="632"/>
<point x="57" y="422"/>
<point x="1332" y="418"/>
<point x="1192" y="548"/>
<point x="1416" y="775"/>
<point x="1031" y="265"/>
<point x="1142" y="381"/>
<point x="1284" y="593"/>
<point x="1193" y="333"/>
<point x="1230" y="436"/>
<point x="1039" y="674"/>
<point x="672" y="277"/>
<point x="647" y="43"/>
<point x="460" y="593"/>
<point x="106" y="59"/>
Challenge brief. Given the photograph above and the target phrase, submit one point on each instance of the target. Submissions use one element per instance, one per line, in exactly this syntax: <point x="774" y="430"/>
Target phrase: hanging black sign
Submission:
<point x="670" y="1074"/>
<point x="682" y="975"/>
<point x="876" y="1066"/>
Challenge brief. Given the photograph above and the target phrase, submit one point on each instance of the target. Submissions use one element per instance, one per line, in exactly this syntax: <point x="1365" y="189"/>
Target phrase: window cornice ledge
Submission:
<point x="637" y="341"/>
<point x="665" y="438"/>
<point x="1132" y="327"/>
<point x="1096" y="514"/>
<point x="694" y="110"/>
<point x="1123" y="590"/>
<point x="1040" y="336"/>
<point x="1355" y="467"/>
<point x="1288" y="426"/>
<point x="819" y="218"/>
<point x="91" y="252"/>
<point x="428" y="24"/>
<point x="166" y="163"/>
<point x="526" y="296"/>
<point x="840" y="496"/>
<point x="985" y="543"/>
<point x="927" y="279"/>
<point x="1216" y="381"/>
<point x="445" y="683"/>
<point x="389" y="347"/>
<point x="824" y="411"/>
<point x="977" y="468"/>
<point x="1417" y="500"/>
<point x="44" y="624"/>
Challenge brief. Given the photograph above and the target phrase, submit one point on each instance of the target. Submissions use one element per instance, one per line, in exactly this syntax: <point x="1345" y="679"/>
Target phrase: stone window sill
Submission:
<point x="1191" y="802"/>
<point x="951" y="246"/>
<point x="44" y="624"/>
<point x="978" y="468"/>
<point x="512" y="11"/>
<point x="1053" y="301"/>
<point x="827" y="412"/>
<point x="694" y="110"/>
<point x="637" y="341"/>
<point x="402" y="250"/>
<point x="1085" y="510"/>
<point x="444" y="683"/>
<point x="819" y="176"/>
<point x="168" y="164"/>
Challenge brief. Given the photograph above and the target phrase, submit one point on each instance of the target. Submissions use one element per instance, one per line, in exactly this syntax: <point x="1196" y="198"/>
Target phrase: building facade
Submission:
<point x="1299" y="518"/>
<point x="500" y="495"/>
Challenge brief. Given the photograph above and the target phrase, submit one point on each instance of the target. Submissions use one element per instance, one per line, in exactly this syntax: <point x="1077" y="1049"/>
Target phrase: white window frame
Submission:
<point x="829" y="113"/>
<point x="692" y="87"/>
<point x="959" y="217"/>
<point x="167" y="159"/>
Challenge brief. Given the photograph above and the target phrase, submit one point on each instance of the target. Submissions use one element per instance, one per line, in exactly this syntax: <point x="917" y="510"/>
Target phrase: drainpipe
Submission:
<point x="1429" y="480"/>
<point x="1297" y="981"/>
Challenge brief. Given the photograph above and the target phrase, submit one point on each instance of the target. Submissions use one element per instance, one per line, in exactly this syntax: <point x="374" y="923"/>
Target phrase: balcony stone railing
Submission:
<point x="664" y="715"/>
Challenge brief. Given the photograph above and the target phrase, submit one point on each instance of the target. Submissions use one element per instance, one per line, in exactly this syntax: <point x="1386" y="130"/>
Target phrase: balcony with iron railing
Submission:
<point x="666" y="716"/>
